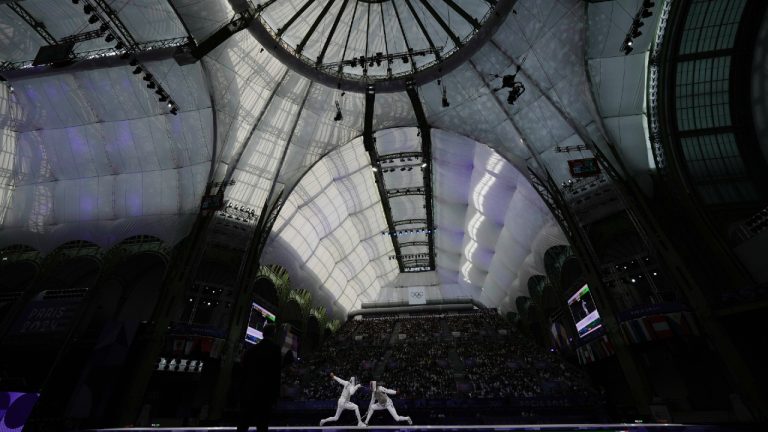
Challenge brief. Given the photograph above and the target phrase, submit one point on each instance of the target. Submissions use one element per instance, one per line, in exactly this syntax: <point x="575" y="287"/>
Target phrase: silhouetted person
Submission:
<point x="260" y="386"/>
<point x="288" y="359"/>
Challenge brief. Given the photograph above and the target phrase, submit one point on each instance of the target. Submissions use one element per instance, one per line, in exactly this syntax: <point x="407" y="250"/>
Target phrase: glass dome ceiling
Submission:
<point x="88" y="152"/>
<point x="375" y="40"/>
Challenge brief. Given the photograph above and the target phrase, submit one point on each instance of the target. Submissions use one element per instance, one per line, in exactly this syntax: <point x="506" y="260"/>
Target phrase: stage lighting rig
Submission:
<point x="634" y="32"/>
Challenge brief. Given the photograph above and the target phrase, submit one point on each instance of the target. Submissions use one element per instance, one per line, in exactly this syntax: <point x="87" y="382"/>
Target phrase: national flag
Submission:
<point x="659" y="325"/>
<point x="639" y="331"/>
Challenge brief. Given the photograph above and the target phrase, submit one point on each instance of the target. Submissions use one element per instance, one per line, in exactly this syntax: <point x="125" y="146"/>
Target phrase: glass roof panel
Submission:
<point x="374" y="40"/>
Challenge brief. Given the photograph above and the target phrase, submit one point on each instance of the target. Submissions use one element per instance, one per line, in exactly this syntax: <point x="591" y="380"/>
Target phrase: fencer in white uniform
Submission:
<point x="344" y="400"/>
<point x="380" y="400"/>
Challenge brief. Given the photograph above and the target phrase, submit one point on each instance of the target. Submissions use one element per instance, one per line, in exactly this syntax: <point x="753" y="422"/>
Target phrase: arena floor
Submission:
<point x="633" y="427"/>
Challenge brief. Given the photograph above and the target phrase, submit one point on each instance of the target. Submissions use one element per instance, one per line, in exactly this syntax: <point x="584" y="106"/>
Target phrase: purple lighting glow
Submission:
<point x="15" y="409"/>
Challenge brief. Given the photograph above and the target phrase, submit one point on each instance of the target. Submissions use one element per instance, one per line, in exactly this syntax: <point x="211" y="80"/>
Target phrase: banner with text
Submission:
<point x="46" y="317"/>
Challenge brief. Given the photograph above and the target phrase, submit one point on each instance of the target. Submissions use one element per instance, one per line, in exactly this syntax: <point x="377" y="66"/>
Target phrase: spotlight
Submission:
<point x="93" y="19"/>
<point x="163" y="98"/>
<point x="175" y="110"/>
<point x="109" y="38"/>
<point x="424" y="165"/>
<point x="159" y="91"/>
<point x="88" y="9"/>
<point x="151" y="85"/>
<point x="134" y="62"/>
<point x="103" y="28"/>
<point x="338" y="116"/>
<point x="137" y="70"/>
<point x="626" y="48"/>
<point x="646" y="13"/>
<point x="147" y="77"/>
<point x="374" y="169"/>
<point x="119" y="45"/>
<point x="125" y="55"/>
<point x="648" y="4"/>
<point x="75" y="1"/>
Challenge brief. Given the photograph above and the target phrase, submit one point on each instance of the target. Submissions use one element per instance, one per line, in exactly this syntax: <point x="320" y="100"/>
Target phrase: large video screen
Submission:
<point x="584" y="311"/>
<point x="256" y="322"/>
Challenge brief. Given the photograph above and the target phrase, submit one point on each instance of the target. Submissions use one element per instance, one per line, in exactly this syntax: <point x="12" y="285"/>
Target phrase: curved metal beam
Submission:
<point x="467" y="17"/>
<point x="311" y="31"/>
<point x="448" y="30"/>
<point x="349" y="32"/>
<point x="405" y="36"/>
<point x="332" y="32"/>
<point x="426" y="154"/>
<point x="295" y="16"/>
<point x="232" y="165"/>
<point x="423" y="30"/>
<point x="370" y="147"/>
<point x="386" y="44"/>
<point x="275" y="200"/>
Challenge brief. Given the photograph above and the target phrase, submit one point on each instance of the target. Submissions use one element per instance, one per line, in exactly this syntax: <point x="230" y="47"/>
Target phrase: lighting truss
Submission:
<point x="112" y="25"/>
<point x="637" y="22"/>
<point x="379" y="58"/>
<point x="392" y="193"/>
<point x="141" y="48"/>
<point x="82" y="37"/>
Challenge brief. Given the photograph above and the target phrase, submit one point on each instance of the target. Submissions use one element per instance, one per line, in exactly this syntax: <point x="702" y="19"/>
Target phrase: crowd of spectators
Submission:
<point x="375" y="331"/>
<point x="345" y="331"/>
<point x="444" y="356"/>
<point x="420" y="329"/>
<point x="420" y="371"/>
<point x="311" y="379"/>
